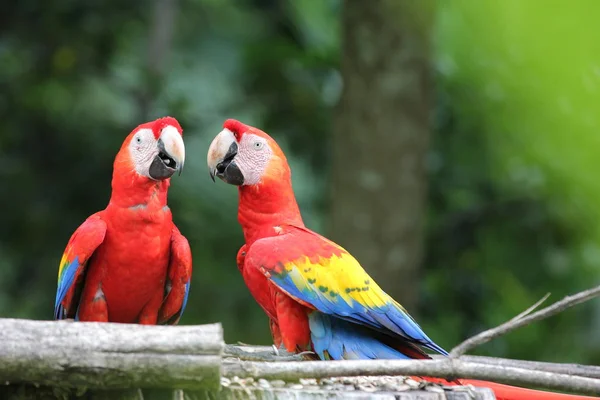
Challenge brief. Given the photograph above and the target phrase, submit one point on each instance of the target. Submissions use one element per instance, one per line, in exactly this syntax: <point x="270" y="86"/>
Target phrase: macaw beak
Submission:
<point x="221" y="159"/>
<point x="171" y="154"/>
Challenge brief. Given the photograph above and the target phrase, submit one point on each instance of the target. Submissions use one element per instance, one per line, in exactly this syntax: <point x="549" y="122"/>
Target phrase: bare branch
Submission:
<point x="590" y="371"/>
<point x="530" y="309"/>
<point x="441" y="368"/>
<point x="265" y="353"/>
<point x="515" y="323"/>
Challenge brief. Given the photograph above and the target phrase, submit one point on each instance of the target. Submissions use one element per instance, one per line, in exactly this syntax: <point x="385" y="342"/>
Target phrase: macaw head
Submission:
<point x="154" y="150"/>
<point x="243" y="155"/>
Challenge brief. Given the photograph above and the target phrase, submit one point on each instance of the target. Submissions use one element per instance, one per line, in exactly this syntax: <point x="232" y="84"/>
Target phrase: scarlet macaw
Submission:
<point x="129" y="262"/>
<point x="315" y="293"/>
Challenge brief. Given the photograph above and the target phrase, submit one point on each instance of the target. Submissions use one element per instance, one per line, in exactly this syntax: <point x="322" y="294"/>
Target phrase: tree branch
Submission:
<point x="265" y="353"/>
<point x="530" y="309"/>
<point x="440" y="368"/>
<point x="107" y="356"/>
<point x="515" y="323"/>
<point x="589" y="371"/>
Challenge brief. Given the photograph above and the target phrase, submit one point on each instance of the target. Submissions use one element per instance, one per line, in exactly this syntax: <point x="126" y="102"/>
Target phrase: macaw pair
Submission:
<point x="129" y="263"/>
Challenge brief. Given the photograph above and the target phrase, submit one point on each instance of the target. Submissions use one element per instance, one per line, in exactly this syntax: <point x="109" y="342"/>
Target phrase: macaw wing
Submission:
<point x="177" y="287"/>
<point x="71" y="272"/>
<point x="322" y="275"/>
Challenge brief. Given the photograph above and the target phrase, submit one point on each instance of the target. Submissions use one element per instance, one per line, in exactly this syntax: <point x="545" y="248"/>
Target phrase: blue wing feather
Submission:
<point x="386" y="317"/>
<point x="335" y="287"/>
<point x="185" y="298"/>
<point x="337" y="339"/>
<point x="180" y="275"/>
<point x="82" y="245"/>
<point x="64" y="284"/>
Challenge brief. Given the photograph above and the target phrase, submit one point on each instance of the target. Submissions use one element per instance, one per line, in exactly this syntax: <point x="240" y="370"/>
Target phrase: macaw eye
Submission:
<point x="258" y="145"/>
<point x="138" y="139"/>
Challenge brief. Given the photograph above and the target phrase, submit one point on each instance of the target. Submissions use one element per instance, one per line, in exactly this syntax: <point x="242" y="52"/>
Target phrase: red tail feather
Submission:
<point x="506" y="392"/>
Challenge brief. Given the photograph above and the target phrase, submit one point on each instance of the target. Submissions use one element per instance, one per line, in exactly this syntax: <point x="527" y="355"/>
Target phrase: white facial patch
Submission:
<point x="143" y="150"/>
<point x="254" y="154"/>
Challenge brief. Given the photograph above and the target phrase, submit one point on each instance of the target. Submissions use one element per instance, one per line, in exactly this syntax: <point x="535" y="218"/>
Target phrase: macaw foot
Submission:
<point x="276" y="350"/>
<point x="281" y="354"/>
<point x="260" y="353"/>
<point x="308" y="355"/>
<point x="66" y="320"/>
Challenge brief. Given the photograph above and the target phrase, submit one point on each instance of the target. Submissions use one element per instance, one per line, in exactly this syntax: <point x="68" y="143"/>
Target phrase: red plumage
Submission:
<point x="236" y="127"/>
<point x="130" y="261"/>
<point x="275" y="235"/>
<point x="159" y="124"/>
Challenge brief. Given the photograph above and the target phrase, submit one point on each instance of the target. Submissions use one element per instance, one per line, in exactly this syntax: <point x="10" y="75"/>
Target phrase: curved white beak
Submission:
<point x="171" y="143"/>
<point x="223" y="146"/>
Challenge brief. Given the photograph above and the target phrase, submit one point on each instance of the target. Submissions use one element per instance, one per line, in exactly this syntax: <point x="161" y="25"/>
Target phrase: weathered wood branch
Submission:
<point x="440" y="368"/>
<point x="531" y="308"/>
<point x="526" y="319"/>
<point x="100" y="355"/>
<point x="65" y="355"/>
<point x="589" y="371"/>
<point x="266" y="353"/>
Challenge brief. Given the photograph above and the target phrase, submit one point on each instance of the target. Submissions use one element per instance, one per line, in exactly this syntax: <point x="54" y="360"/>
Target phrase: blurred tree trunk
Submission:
<point x="381" y="138"/>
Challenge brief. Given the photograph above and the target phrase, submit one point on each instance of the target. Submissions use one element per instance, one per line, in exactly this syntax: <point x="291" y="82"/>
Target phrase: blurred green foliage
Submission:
<point x="513" y="196"/>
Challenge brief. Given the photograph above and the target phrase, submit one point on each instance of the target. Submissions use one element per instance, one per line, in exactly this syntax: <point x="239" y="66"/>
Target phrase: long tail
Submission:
<point x="333" y="338"/>
<point x="507" y="392"/>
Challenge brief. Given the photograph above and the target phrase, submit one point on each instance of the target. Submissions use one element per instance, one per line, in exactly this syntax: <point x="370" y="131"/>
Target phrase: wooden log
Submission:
<point x="56" y="360"/>
<point x="110" y="356"/>
<point x="378" y="388"/>
<point x="29" y="392"/>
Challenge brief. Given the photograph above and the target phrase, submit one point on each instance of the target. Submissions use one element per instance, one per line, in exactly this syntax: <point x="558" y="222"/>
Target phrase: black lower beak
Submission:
<point x="230" y="173"/>
<point x="227" y="170"/>
<point x="163" y="166"/>
<point x="159" y="169"/>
